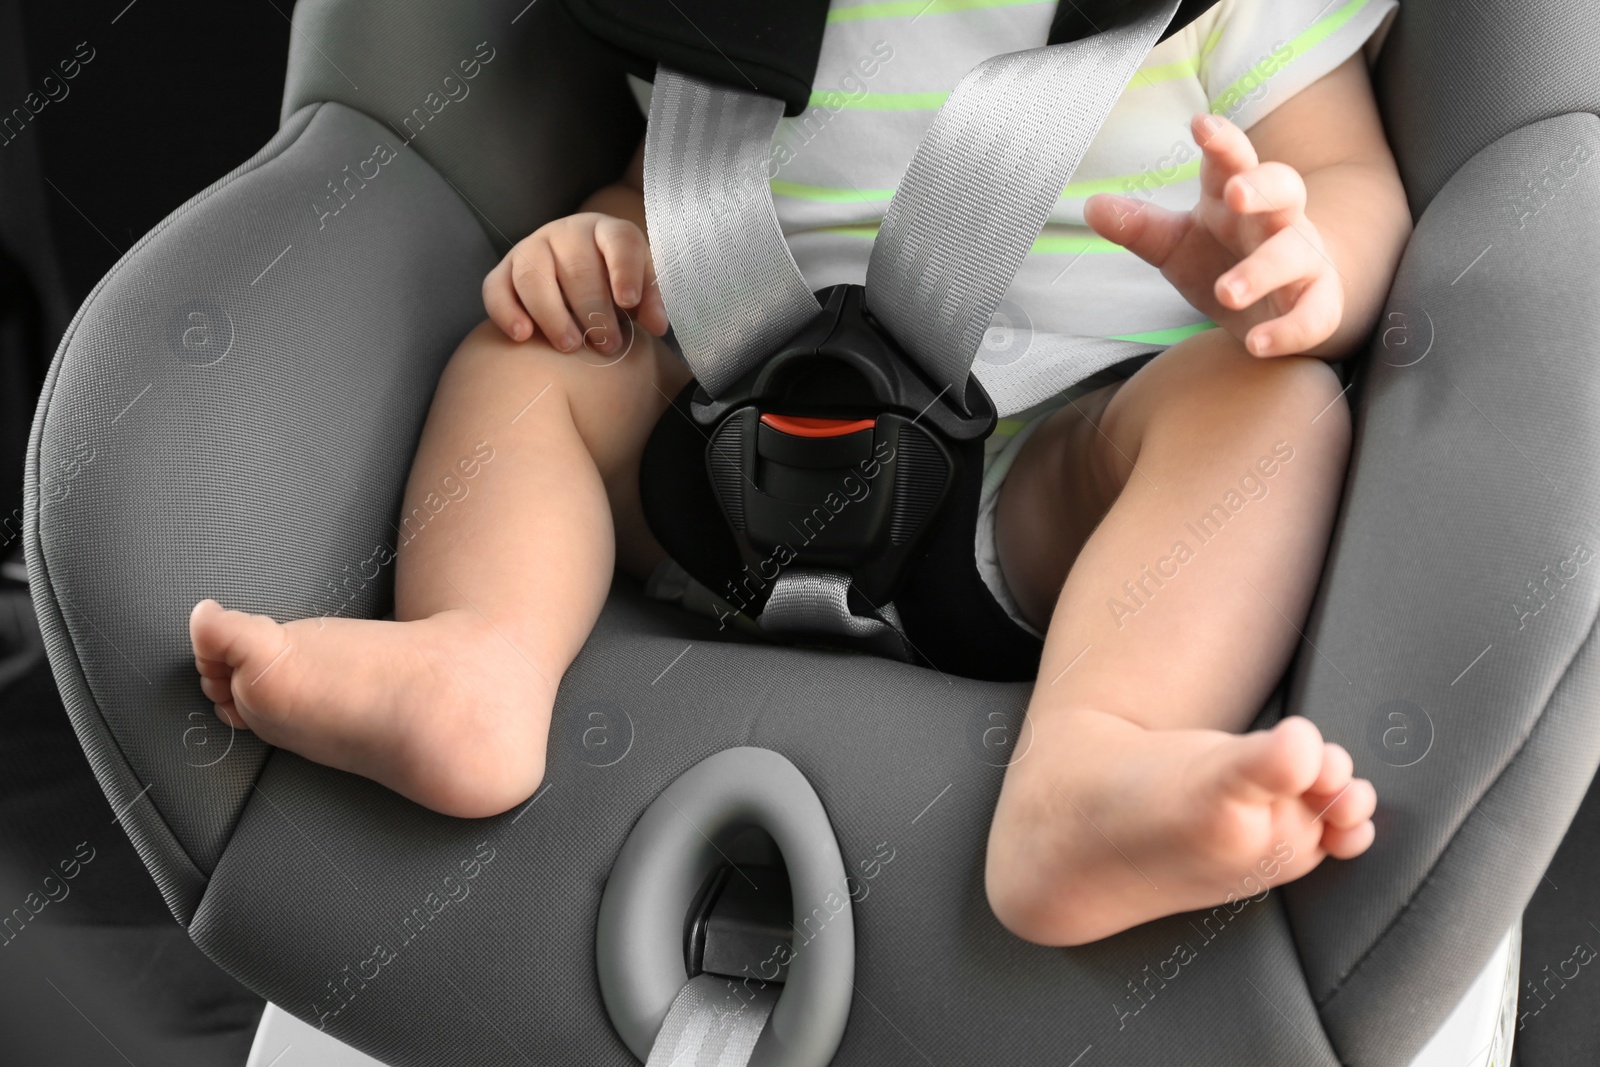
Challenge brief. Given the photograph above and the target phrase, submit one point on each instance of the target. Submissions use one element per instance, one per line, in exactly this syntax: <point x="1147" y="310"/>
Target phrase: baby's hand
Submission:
<point x="557" y="278"/>
<point x="1246" y="255"/>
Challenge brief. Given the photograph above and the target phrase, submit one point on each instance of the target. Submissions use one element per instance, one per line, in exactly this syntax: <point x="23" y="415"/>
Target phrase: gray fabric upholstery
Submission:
<point x="1455" y="76"/>
<point x="323" y="891"/>
<point x="518" y="161"/>
<point x="1473" y="475"/>
<point x="325" y="870"/>
<point x="164" y="470"/>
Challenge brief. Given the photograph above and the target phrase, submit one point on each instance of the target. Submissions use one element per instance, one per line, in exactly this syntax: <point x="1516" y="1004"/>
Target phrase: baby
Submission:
<point x="1165" y="630"/>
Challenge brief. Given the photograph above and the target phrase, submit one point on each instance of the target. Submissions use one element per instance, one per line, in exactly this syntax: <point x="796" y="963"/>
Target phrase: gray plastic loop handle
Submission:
<point x="665" y="861"/>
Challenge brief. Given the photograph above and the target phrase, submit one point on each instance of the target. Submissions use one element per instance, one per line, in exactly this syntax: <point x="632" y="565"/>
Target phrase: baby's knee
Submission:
<point x="1308" y="419"/>
<point x="629" y="382"/>
<point x="487" y="359"/>
<point x="1304" y="396"/>
<point x="1305" y="379"/>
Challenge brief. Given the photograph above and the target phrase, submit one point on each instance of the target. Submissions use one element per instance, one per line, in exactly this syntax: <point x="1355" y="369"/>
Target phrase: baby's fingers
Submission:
<point x="1274" y="190"/>
<point x="632" y="274"/>
<point x="1147" y="230"/>
<point x="652" y="310"/>
<point x="1313" y="319"/>
<point x="582" y="270"/>
<point x="500" y="300"/>
<point x="626" y="255"/>
<point x="1227" y="151"/>
<point x="1286" y="257"/>
<point x="523" y="290"/>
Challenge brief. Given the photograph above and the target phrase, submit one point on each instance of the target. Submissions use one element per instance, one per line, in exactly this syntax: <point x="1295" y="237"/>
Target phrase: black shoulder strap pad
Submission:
<point x="1076" y="19"/>
<point x="762" y="46"/>
<point x="772" y="48"/>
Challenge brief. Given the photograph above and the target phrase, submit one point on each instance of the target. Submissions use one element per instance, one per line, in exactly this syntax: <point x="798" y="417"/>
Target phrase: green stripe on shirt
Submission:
<point x="1046" y="244"/>
<point x="828" y="194"/>
<point x="1068" y="244"/>
<point x="839" y="100"/>
<point x="1302" y="43"/>
<point x="1124" y="184"/>
<point x="1128" y="184"/>
<point x="1166" y="337"/>
<point x="1183" y="68"/>
<point x="1165" y="72"/>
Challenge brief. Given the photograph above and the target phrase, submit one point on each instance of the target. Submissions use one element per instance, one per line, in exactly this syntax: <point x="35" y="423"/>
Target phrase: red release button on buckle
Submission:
<point x="805" y="426"/>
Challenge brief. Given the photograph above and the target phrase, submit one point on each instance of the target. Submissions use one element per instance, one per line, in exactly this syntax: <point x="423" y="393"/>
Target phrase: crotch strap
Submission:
<point x="978" y="191"/>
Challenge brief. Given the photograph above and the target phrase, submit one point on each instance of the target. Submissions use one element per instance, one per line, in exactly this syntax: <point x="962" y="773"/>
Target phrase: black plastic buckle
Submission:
<point x="837" y="452"/>
<point x="741" y="924"/>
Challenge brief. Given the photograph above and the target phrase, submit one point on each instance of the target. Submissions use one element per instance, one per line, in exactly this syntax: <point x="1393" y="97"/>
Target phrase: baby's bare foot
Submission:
<point x="1137" y="824"/>
<point x="442" y="710"/>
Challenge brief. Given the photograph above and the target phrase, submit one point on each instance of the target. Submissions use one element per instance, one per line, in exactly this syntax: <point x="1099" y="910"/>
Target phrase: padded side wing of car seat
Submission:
<point x="428" y="941"/>
<point x="1452" y="77"/>
<point x="230" y="415"/>
<point x="1452" y="649"/>
<point x="519" y="109"/>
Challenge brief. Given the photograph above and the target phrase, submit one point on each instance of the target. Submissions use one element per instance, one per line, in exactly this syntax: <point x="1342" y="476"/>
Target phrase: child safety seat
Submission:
<point x="746" y="852"/>
<point x="843" y="443"/>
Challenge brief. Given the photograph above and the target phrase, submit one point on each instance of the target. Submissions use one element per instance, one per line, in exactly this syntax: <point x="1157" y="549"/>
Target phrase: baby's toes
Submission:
<point x="217" y="690"/>
<point x="1350" y="807"/>
<point x="228" y="712"/>
<point x="1336" y="771"/>
<point x="1280" y="762"/>
<point x="1350" y="842"/>
<point x="233" y="651"/>
<point x="212" y="668"/>
<point x="208" y="636"/>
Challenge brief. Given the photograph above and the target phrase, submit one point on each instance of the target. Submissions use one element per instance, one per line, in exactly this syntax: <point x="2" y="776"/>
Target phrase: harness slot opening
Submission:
<point x="741" y="923"/>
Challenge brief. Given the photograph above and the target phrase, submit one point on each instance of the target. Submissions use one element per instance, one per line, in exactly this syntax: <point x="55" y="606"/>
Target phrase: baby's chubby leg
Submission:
<point x="495" y="590"/>
<point x="1217" y="475"/>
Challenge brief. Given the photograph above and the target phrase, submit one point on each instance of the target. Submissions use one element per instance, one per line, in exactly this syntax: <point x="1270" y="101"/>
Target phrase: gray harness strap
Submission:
<point x="711" y="1025"/>
<point x="973" y="200"/>
<point x="982" y="184"/>
<point x="817" y="601"/>
<point x="732" y="290"/>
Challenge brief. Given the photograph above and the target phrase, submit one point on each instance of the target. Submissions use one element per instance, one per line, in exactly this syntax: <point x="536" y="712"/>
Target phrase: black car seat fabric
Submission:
<point x="250" y="381"/>
<point x="950" y="617"/>
<point x="772" y="49"/>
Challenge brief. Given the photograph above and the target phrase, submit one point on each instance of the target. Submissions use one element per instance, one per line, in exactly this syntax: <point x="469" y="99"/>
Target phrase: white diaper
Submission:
<point x="999" y="451"/>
